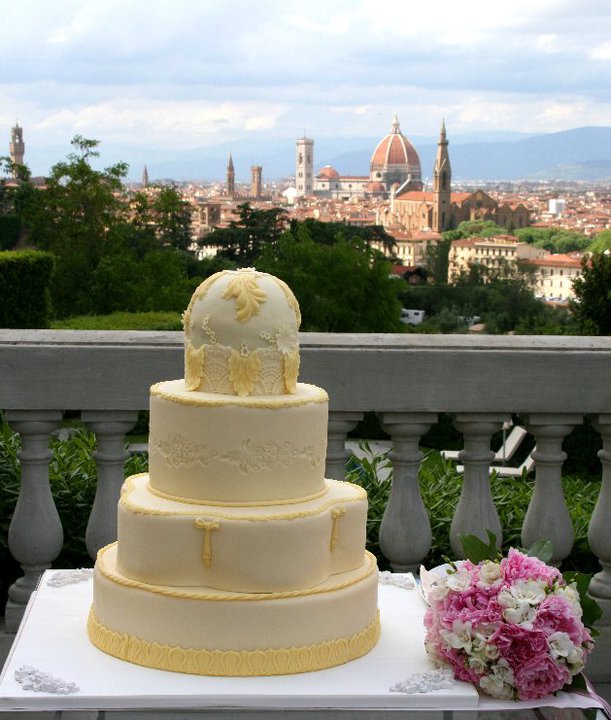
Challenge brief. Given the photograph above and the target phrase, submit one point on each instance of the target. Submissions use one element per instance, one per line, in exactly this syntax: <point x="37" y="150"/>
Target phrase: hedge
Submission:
<point x="10" y="227"/>
<point x="25" y="299"/>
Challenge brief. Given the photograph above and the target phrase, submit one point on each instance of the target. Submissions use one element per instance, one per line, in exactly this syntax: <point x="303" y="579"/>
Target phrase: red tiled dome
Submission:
<point x="328" y="173"/>
<point x="395" y="149"/>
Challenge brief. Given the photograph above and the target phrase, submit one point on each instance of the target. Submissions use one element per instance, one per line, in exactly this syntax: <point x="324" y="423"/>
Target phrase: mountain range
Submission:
<point x="580" y="154"/>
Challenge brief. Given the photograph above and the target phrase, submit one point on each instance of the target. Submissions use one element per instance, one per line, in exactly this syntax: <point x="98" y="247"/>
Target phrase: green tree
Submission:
<point x="341" y="287"/>
<point x="592" y="304"/>
<point x="438" y="259"/>
<point x="244" y="239"/>
<point x="74" y="219"/>
<point x="164" y="214"/>
<point x="601" y="243"/>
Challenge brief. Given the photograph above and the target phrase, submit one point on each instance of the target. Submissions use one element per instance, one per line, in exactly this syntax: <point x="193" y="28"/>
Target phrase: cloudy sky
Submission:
<point x="168" y="76"/>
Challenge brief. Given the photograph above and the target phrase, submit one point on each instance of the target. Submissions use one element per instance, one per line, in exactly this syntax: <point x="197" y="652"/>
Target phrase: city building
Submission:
<point x="256" y="185"/>
<point x="394" y="165"/>
<point x="230" y="177"/>
<point x="16" y="146"/>
<point x="554" y="275"/>
<point x="493" y="253"/>
<point x="304" y="167"/>
<point x="441" y="209"/>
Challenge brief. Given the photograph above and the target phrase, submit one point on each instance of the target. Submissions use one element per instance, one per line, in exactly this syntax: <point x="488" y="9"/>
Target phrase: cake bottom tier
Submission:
<point x="211" y="632"/>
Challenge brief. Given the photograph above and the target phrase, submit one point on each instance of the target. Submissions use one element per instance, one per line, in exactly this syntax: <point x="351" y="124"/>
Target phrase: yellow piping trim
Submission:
<point x="130" y="486"/>
<point x="200" y="399"/>
<point x="227" y="596"/>
<point x="242" y="663"/>
<point x="237" y="503"/>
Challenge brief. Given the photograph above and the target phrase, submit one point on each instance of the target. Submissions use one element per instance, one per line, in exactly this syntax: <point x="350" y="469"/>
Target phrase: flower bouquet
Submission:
<point x="514" y="627"/>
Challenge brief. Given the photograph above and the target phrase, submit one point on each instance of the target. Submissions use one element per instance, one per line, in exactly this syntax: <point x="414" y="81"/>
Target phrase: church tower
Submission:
<point x="145" y="177"/>
<point x="17" y="146"/>
<point x="442" y="184"/>
<point x="304" y="167"/>
<point x="256" y="185"/>
<point x="230" y="177"/>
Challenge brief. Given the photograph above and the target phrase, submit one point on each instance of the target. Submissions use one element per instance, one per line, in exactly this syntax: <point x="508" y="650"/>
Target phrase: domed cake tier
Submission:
<point x="241" y="335"/>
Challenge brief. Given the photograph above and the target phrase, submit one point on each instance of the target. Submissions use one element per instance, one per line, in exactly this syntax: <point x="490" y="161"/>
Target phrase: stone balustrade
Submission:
<point x="551" y="383"/>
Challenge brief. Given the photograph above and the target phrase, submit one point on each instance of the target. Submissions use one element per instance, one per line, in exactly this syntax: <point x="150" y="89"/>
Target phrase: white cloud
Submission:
<point x="174" y="74"/>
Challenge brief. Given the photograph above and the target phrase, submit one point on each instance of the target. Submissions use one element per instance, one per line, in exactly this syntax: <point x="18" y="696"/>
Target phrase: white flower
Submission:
<point x="571" y="595"/>
<point x="477" y="663"/>
<point x="459" y="637"/>
<point x="491" y="652"/>
<point x="286" y="339"/>
<point x="459" y="580"/>
<point x="499" y="683"/>
<point x="561" y="647"/>
<point x="490" y="573"/>
<point x="494" y="686"/>
<point x="519" y="601"/>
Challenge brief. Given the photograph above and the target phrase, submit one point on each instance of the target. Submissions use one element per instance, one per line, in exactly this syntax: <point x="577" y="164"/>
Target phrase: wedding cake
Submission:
<point x="235" y="556"/>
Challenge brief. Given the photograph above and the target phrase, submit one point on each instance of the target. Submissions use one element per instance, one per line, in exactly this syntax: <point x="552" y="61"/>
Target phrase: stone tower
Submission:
<point x="442" y="184"/>
<point x="145" y="177"/>
<point x="17" y="146"/>
<point x="304" y="167"/>
<point x="230" y="177"/>
<point x="255" y="184"/>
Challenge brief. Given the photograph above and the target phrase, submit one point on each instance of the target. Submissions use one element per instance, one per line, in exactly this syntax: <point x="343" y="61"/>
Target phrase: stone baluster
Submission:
<point x="547" y="516"/>
<point x="109" y="427"/>
<point x="475" y="512"/>
<point x="35" y="536"/>
<point x="599" y="537"/>
<point x="340" y="424"/>
<point x="405" y="532"/>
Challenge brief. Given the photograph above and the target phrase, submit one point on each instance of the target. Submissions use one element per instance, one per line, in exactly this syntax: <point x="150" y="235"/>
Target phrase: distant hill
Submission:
<point x="579" y="154"/>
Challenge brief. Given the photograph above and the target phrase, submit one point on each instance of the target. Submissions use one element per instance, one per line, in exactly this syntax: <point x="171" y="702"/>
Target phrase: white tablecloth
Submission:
<point x="53" y="639"/>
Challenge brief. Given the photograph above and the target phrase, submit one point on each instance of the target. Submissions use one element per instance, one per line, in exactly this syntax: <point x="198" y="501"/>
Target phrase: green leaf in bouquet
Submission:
<point x="476" y="550"/>
<point x="542" y="549"/>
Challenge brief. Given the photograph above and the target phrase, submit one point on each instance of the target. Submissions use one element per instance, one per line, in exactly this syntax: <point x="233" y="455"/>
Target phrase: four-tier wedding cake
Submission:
<point x="235" y="556"/>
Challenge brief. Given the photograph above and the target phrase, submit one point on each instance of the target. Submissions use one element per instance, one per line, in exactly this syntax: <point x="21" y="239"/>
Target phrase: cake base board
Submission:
<point x="53" y="638"/>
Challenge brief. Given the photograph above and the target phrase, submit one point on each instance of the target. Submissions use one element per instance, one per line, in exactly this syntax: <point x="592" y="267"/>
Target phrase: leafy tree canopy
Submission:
<point x="601" y="243"/>
<point x="245" y="239"/>
<point x="592" y="305"/>
<point x="341" y="287"/>
<point x="553" y="239"/>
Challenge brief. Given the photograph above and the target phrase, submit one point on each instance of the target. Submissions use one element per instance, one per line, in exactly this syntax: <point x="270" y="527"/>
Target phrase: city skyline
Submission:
<point x="159" y="78"/>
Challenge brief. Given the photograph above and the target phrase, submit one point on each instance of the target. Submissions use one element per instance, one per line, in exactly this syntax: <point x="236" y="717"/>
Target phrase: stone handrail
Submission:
<point x="552" y="383"/>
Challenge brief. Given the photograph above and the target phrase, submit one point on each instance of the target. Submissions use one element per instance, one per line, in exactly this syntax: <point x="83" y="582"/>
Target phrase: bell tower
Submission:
<point x="304" y="167"/>
<point x="442" y="184"/>
<point x="256" y="186"/>
<point x="230" y="177"/>
<point x="17" y="146"/>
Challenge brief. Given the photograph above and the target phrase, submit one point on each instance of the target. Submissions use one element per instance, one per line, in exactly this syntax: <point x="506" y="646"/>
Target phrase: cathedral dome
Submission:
<point x="395" y="159"/>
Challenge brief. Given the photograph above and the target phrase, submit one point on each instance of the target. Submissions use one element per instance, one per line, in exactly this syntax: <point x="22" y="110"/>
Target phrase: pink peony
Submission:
<point x="540" y="676"/>
<point x="475" y="605"/>
<point x="518" y="644"/>
<point x="517" y="566"/>
<point x="555" y="614"/>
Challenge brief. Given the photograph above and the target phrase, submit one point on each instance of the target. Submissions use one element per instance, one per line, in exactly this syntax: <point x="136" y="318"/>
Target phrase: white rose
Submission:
<point x="489" y="573"/>
<point x="493" y="685"/>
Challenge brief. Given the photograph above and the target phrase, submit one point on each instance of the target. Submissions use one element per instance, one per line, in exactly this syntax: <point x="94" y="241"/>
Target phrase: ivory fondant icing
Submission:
<point x="242" y="549"/>
<point x="227" y="449"/>
<point x="159" y="619"/>
<point x="235" y="556"/>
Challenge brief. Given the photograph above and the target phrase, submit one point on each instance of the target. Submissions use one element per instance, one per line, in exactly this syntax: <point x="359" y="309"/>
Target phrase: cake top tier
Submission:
<point x="241" y="335"/>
